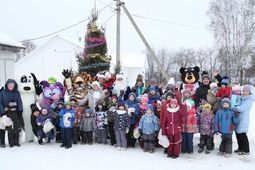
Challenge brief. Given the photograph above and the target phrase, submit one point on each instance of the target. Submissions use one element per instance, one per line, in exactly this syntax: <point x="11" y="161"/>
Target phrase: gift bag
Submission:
<point x="66" y="119"/>
<point x="163" y="140"/>
<point x="217" y="138"/>
<point x="5" y="121"/>
<point x="136" y="133"/>
<point x="47" y="126"/>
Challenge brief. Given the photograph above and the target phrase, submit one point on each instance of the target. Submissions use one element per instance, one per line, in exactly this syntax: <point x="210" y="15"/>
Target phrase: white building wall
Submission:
<point x="6" y="66"/>
<point x="50" y="60"/>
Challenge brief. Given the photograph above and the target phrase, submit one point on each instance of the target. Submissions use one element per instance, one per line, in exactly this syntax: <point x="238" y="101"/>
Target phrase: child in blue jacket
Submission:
<point x="149" y="125"/>
<point x="66" y="122"/>
<point x="225" y="118"/>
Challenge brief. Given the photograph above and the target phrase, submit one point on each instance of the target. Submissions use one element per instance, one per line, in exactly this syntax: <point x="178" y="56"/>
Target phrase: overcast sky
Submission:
<point x="180" y="23"/>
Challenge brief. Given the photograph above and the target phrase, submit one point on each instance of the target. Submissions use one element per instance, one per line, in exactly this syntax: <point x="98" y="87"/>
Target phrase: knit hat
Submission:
<point x="171" y="81"/>
<point x="225" y="80"/>
<point x="237" y="88"/>
<point x="114" y="95"/>
<point x="169" y="93"/>
<point x="88" y="110"/>
<point x="95" y="83"/>
<point x="121" y="103"/>
<point x="149" y="106"/>
<point x="207" y="105"/>
<point x="107" y="75"/>
<point x="163" y="97"/>
<point x="61" y="101"/>
<point x="34" y="108"/>
<point x="190" y="103"/>
<point x="132" y="94"/>
<point x="67" y="103"/>
<point x="100" y="76"/>
<point x="186" y="91"/>
<point x="212" y="85"/>
<point x="73" y="99"/>
<point x="152" y="88"/>
<point x="139" y="78"/>
<point x="144" y="98"/>
<point x="120" y="75"/>
<point x="247" y="88"/>
<point x="174" y="101"/>
<point x="191" y="86"/>
<point x="225" y="100"/>
<point x="205" y="76"/>
<point x="153" y="81"/>
<point x="100" y="102"/>
<point x="45" y="108"/>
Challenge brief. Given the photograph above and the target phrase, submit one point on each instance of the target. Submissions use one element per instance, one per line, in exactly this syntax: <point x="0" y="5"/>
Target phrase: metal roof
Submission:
<point x="9" y="42"/>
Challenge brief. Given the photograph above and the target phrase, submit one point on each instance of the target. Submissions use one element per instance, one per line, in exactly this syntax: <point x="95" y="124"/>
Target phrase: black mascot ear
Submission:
<point x="197" y="69"/>
<point x="182" y="69"/>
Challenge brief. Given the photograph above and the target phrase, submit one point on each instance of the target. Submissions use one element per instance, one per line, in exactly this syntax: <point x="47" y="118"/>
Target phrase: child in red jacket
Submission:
<point x="224" y="90"/>
<point x="171" y="127"/>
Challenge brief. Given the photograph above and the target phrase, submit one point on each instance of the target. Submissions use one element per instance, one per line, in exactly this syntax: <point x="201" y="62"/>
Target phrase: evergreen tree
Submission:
<point x="94" y="57"/>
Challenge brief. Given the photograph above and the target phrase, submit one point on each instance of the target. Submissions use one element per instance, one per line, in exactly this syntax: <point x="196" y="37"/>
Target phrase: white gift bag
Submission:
<point x="163" y="140"/>
<point x="47" y="126"/>
<point x="136" y="133"/>
<point x="66" y="122"/>
<point x="217" y="138"/>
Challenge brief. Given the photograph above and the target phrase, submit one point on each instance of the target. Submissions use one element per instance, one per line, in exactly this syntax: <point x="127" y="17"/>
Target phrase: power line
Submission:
<point x="47" y="35"/>
<point x="191" y="26"/>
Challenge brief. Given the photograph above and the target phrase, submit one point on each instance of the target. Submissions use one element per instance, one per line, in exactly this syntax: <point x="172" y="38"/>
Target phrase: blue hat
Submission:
<point x="88" y="110"/>
<point x="225" y="100"/>
<point x="132" y="94"/>
<point x="225" y="80"/>
<point x="121" y="103"/>
<point x="152" y="88"/>
<point x="149" y="106"/>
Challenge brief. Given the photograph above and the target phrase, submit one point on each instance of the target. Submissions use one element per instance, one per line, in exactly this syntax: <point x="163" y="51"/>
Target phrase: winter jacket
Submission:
<point x="236" y="100"/>
<point x="101" y="119"/>
<point x="87" y="124"/>
<point x="244" y="116"/>
<point x="206" y="124"/>
<point x="189" y="122"/>
<point x="212" y="99"/>
<point x="153" y="98"/>
<point x="111" y="108"/>
<point x="7" y="96"/>
<point x="90" y="98"/>
<point x="77" y="112"/>
<point x="149" y="124"/>
<point x="171" y="124"/>
<point x="138" y="90"/>
<point x="121" y="120"/>
<point x="224" y="92"/>
<point x="66" y="118"/>
<point x="224" y="120"/>
<point x="34" y="125"/>
<point x="201" y="93"/>
<point x="133" y="104"/>
<point x="40" y="120"/>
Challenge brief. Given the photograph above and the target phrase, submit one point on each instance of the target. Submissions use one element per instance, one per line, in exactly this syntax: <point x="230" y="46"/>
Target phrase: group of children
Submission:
<point x="174" y="112"/>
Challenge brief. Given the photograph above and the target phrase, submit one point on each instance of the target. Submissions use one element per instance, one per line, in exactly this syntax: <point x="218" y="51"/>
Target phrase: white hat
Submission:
<point x="107" y="75"/>
<point x="100" y="76"/>
<point x="120" y="75"/>
<point x="95" y="83"/>
<point x="212" y="85"/>
<point x="171" y="81"/>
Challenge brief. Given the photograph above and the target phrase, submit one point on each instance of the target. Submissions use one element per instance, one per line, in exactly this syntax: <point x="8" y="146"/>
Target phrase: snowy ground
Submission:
<point x="32" y="156"/>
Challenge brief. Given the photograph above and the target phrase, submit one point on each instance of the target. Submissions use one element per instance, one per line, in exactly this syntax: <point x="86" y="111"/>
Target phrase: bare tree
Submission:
<point x="233" y="26"/>
<point x="30" y="46"/>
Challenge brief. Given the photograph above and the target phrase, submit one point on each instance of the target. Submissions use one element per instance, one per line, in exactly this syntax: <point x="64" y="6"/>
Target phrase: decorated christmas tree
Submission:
<point x="94" y="57"/>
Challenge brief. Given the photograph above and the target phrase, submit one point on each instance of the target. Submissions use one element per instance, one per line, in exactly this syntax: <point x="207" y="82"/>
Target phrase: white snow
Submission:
<point x="32" y="156"/>
<point x="8" y="41"/>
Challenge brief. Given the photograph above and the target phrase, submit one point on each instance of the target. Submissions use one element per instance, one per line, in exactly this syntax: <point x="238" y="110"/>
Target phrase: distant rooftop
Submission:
<point x="9" y="42"/>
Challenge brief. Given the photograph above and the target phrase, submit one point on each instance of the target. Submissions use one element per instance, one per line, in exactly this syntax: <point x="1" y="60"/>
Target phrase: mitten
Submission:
<point x="105" y="126"/>
<point x="39" y="123"/>
<point x="140" y="131"/>
<point x="237" y="114"/>
<point x="66" y="73"/>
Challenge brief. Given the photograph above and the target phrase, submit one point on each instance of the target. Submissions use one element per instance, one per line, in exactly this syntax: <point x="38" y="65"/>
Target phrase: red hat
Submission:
<point x="191" y="86"/>
<point x="174" y="101"/>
